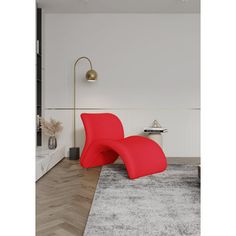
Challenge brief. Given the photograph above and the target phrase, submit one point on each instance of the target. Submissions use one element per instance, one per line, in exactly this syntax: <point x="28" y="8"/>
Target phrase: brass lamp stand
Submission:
<point x="91" y="75"/>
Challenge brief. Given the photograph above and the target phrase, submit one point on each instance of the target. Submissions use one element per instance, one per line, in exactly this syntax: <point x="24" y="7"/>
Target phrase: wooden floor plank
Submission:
<point x="63" y="199"/>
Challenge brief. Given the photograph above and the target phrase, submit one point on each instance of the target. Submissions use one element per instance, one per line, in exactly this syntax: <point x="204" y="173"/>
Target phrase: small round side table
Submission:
<point x="155" y="134"/>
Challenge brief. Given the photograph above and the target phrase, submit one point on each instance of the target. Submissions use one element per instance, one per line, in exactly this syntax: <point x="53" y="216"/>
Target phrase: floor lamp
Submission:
<point x="91" y="75"/>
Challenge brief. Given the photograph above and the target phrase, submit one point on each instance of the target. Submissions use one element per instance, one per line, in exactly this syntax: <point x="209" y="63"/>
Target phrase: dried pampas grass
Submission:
<point x="51" y="127"/>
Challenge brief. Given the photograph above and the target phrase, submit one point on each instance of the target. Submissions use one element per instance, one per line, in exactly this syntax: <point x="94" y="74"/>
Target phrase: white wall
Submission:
<point x="148" y="68"/>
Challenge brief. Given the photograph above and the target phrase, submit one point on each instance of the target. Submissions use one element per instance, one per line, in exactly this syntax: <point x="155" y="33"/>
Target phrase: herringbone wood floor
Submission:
<point x="64" y="197"/>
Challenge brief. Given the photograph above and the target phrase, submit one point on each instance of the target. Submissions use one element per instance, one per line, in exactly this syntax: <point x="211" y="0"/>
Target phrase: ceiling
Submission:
<point x="119" y="6"/>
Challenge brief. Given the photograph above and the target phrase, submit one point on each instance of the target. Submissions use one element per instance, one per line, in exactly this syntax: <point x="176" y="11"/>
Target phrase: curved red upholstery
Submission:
<point x="105" y="142"/>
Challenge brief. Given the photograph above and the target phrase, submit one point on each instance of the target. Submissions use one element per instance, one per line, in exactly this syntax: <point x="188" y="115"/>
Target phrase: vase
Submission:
<point x="52" y="142"/>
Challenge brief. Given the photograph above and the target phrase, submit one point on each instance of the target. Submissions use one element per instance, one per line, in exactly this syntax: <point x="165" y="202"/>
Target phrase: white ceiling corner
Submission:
<point x="119" y="6"/>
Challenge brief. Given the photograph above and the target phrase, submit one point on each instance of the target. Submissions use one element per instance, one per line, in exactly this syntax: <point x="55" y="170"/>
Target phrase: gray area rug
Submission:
<point x="164" y="204"/>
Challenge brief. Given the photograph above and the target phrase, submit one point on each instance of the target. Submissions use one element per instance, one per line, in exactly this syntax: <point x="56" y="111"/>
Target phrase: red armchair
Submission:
<point x="105" y="142"/>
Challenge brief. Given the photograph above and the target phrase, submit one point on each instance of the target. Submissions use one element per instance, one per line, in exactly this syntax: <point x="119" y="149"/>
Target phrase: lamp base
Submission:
<point x="74" y="153"/>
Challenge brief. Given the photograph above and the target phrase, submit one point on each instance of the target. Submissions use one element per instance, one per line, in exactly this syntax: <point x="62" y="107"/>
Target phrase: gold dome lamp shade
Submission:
<point x="91" y="75"/>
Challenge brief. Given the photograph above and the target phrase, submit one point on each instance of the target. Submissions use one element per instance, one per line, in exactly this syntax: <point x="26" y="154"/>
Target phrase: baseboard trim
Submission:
<point x="184" y="160"/>
<point x="175" y="160"/>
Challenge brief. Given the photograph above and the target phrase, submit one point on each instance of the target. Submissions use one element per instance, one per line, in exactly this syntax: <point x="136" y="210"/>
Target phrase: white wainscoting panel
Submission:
<point x="181" y="140"/>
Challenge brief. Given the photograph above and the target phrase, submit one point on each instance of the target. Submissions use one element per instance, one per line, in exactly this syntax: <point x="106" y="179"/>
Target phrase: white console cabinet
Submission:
<point x="46" y="159"/>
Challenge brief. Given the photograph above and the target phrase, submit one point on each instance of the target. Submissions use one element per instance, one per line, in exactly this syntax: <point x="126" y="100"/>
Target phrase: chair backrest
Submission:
<point x="101" y="126"/>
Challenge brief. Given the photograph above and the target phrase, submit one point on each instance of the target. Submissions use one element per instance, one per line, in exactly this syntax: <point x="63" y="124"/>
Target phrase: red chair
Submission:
<point x="105" y="142"/>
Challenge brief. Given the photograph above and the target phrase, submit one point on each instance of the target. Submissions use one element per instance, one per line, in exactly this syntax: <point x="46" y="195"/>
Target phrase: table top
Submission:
<point x="155" y="130"/>
<point x="44" y="151"/>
